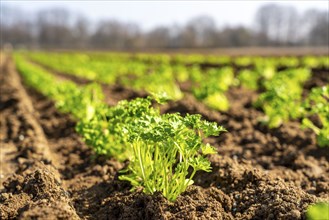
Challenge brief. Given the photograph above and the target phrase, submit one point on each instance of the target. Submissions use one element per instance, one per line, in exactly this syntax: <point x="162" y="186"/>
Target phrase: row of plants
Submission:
<point x="317" y="105"/>
<point x="134" y="74"/>
<point x="282" y="100"/>
<point x="240" y="61"/>
<point x="164" y="150"/>
<point x="81" y="102"/>
<point x="198" y="59"/>
<point x="142" y="76"/>
<point x="152" y="78"/>
<point x="283" y="61"/>
<point x="111" y="67"/>
<point x="83" y="65"/>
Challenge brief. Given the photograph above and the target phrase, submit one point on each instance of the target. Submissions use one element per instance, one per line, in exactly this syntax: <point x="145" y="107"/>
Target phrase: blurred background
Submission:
<point x="163" y="24"/>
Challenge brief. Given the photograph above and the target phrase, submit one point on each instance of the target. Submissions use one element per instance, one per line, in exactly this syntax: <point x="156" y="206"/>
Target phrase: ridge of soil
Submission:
<point x="258" y="173"/>
<point x="30" y="183"/>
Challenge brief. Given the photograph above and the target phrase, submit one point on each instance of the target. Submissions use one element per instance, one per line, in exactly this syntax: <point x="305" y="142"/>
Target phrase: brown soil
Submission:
<point x="49" y="173"/>
<point x="31" y="185"/>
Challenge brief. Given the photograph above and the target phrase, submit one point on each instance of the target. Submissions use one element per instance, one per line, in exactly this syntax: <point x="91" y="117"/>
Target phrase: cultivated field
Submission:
<point x="100" y="135"/>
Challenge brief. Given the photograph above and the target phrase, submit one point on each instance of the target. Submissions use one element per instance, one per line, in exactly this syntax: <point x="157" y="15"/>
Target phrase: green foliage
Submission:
<point x="318" y="211"/>
<point x="254" y="78"/>
<point x="160" y="80"/>
<point x="161" y="148"/>
<point x="311" y="61"/>
<point x="164" y="148"/>
<point x="248" y="78"/>
<point x="212" y="86"/>
<point x="81" y="102"/>
<point x="195" y="74"/>
<point x="217" y="101"/>
<point x="287" y="61"/>
<point x="317" y="105"/>
<point x="315" y="62"/>
<point x="221" y="60"/>
<point x="282" y="99"/>
<point x="111" y="68"/>
<point x="243" y="61"/>
<point x="106" y="132"/>
<point x="161" y="98"/>
<point x="180" y="73"/>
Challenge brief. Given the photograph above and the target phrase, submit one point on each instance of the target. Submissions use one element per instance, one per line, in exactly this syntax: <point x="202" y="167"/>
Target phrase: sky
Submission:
<point x="149" y="14"/>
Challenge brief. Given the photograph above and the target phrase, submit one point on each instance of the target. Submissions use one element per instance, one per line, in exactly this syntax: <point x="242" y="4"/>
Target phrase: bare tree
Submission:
<point x="54" y="28"/>
<point x="15" y="27"/>
<point x="80" y="32"/>
<point x="291" y="26"/>
<point x="263" y="22"/>
<point x="114" y="34"/>
<point x="277" y="24"/>
<point x="159" y="37"/>
<point x="108" y="34"/>
<point x="315" y="27"/>
<point x="201" y="32"/>
<point x="319" y="33"/>
<point x="133" y="36"/>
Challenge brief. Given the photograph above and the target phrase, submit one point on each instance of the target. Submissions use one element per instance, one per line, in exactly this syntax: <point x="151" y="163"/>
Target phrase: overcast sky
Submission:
<point x="149" y="14"/>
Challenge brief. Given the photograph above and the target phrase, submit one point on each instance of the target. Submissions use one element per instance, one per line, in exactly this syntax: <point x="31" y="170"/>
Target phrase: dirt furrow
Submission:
<point x="30" y="183"/>
<point x="87" y="178"/>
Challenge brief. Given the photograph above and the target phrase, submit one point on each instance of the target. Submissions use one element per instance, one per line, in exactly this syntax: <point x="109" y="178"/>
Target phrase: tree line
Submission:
<point x="274" y="25"/>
